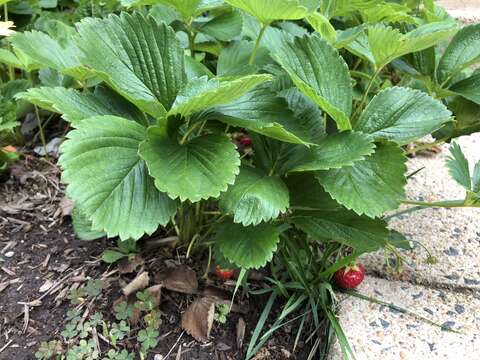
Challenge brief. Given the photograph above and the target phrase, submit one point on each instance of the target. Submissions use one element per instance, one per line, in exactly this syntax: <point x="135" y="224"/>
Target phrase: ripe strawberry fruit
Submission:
<point x="246" y="141"/>
<point x="349" y="277"/>
<point x="224" y="274"/>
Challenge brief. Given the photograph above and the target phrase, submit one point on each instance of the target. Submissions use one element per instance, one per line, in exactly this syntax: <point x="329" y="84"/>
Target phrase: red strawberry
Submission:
<point x="224" y="274"/>
<point x="349" y="277"/>
<point x="246" y="141"/>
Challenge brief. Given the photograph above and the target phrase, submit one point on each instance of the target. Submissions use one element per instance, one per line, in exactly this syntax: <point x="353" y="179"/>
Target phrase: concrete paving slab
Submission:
<point x="378" y="332"/>
<point x="452" y="235"/>
<point x="465" y="10"/>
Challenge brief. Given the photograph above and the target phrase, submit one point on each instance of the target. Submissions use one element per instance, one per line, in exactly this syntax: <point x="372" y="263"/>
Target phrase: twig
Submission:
<point x="174" y="345"/>
<point x="6" y="345"/>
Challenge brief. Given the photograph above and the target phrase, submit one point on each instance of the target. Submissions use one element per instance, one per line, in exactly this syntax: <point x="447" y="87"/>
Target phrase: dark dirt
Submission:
<point x="38" y="249"/>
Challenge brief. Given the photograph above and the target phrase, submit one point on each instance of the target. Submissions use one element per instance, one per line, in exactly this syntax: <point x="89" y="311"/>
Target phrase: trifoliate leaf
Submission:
<point x="75" y="106"/>
<point x="136" y="56"/>
<point x="267" y="11"/>
<point x="107" y="177"/>
<point x="201" y="93"/>
<point x="469" y="88"/>
<point x="247" y="246"/>
<point x="371" y="186"/>
<point x="402" y="115"/>
<point x="83" y="227"/>
<point x="199" y="169"/>
<point x="319" y="72"/>
<point x="476" y="178"/>
<point x="463" y="50"/>
<point x="360" y="232"/>
<point x="254" y="197"/>
<point x="335" y="151"/>
<point x="458" y="167"/>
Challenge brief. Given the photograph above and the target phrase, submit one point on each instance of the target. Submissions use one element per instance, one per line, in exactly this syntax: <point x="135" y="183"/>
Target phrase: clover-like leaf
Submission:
<point x="136" y="56"/>
<point x="201" y="93"/>
<point x="371" y="186"/>
<point x="254" y="197"/>
<point x="108" y="179"/>
<point x="199" y="169"/>
<point x="335" y="151"/>
<point x="319" y="72"/>
<point x="402" y="115"/>
<point x="463" y="50"/>
<point x="267" y="11"/>
<point x="75" y="106"/>
<point x="224" y="27"/>
<point x="360" y="232"/>
<point x="247" y="246"/>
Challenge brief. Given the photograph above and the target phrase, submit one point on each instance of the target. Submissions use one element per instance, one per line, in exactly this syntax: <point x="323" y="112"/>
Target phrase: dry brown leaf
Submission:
<point x="137" y="284"/>
<point x="66" y="206"/>
<point x="127" y="266"/>
<point x="198" y="319"/>
<point x="156" y="292"/>
<point x="179" y="278"/>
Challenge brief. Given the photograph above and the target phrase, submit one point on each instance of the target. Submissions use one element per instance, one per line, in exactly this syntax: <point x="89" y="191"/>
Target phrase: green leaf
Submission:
<point x="371" y="186"/>
<point x="322" y="25"/>
<point x="306" y="193"/>
<point x="458" y="167"/>
<point x="83" y="227"/>
<point x="267" y="11"/>
<point x="335" y="151"/>
<point x="383" y="43"/>
<point x="76" y="106"/>
<point x="247" y="246"/>
<point x="360" y="232"/>
<point x="263" y="112"/>
<point x="469" y="88"/>
<point x="112" y="256"/>
<point x="109" y="180"/>
<point x="224" y="27"/>
<point x="463" y="51"/>
<point x="402" y="115"/>
<point x="9" y="58"/>
<point x="233" y="60"/>
<point x="136" y="56"/>
<point x="319" y="72"/>
<point x="254" y="197"/>
<point x="199" y="169"/>
<point x="49" y="54"/>
<point x="201" y="93"/>
<point x="476" y="178"/>
<point x="466" y="119"/>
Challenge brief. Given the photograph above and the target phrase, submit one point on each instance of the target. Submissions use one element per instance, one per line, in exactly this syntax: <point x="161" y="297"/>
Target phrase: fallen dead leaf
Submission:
<point x="66" y="206"/>
<point x="128" y="266"/>
<point x="139" y="283"/>
<point x="179" y="278"/>
<point x="198" y="319"/>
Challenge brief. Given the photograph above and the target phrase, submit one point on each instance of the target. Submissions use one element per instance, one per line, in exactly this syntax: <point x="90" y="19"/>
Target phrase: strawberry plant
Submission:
<point x="325" y="94"/>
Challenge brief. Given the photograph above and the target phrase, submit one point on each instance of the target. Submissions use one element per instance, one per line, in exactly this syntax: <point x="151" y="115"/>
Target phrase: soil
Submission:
<point x="41" y="260"/>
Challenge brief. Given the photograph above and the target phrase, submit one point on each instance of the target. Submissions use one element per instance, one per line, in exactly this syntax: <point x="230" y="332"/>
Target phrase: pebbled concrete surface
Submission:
<point x="378" y="332"/>
<point x="452" y="235"/>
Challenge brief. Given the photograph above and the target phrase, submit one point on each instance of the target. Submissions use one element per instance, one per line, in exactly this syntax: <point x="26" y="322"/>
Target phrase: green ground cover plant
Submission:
<point x="330" y="93"/>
